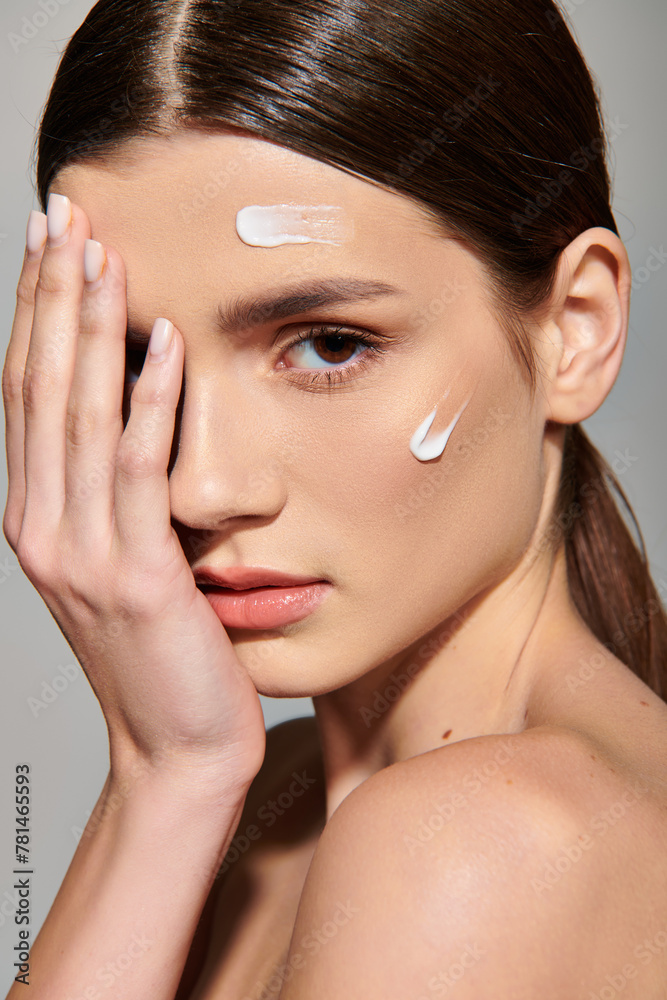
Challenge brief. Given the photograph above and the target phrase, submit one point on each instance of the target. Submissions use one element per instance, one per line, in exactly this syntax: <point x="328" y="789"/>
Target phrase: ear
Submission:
<point x="585" y="330"/>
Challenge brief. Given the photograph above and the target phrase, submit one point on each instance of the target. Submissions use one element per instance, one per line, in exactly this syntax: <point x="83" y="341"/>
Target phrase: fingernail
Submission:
<point x="35" y="236"/>
<point x="94" y="259"/>
<point x="160" y="339"/>
<point x="58" y="217"/>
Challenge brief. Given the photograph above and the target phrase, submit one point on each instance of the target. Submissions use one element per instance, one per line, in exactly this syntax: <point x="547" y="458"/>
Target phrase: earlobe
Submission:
<point x="587" y="325"/>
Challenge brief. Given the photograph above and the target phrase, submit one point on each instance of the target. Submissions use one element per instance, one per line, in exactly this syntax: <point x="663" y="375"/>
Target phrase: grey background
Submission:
<point x="65" y="742"/>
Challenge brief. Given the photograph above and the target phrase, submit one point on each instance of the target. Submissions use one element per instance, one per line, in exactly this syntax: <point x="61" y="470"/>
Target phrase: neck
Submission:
<point x="474" y="675"/>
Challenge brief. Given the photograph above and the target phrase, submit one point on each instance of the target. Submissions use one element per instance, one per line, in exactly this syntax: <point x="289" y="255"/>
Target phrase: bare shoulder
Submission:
<point x="507" y="862"/>
<point x="565" y="792"/>
<point x="548" y="783"/>
<point x="550" y="766"/>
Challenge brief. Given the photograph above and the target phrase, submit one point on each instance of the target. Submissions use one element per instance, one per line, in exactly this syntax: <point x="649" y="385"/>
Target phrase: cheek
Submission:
<point x="356" y="469"/>
<point x="359" y="474"/>
<point x="460" y="520"/>
<point x="467" y="518"/>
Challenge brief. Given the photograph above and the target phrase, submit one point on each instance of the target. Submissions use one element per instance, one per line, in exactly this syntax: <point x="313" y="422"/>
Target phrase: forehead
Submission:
<point x="169" y="206"/>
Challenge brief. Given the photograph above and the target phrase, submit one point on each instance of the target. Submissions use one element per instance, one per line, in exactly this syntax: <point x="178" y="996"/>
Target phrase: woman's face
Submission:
<point x="298" y="458"/>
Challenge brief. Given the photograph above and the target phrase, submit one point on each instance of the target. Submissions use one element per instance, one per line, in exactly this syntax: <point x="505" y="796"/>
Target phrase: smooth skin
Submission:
<point x="230" y="441"/>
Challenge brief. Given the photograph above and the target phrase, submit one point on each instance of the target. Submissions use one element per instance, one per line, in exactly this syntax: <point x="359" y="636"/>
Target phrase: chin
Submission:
<point x="279" y="670"/>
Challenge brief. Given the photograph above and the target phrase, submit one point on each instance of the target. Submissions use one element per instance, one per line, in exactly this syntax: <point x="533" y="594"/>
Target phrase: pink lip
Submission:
<point x="254" y="598"/>
<point x="244" y="577"/>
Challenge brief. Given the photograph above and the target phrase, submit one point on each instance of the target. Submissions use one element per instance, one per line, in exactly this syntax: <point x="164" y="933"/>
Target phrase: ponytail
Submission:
<point x="607" y="571"/>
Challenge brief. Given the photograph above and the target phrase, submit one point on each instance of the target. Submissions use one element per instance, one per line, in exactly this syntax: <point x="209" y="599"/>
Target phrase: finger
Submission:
<point x="50" y="362"/>
<point x="13" y="372"/>
<point x="94" y="412"/>
<point x="142" y="508"/>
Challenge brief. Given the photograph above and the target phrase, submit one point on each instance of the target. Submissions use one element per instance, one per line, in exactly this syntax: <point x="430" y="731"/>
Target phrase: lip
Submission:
<point x="245" y="577"/>
<point x="250" y="597"/>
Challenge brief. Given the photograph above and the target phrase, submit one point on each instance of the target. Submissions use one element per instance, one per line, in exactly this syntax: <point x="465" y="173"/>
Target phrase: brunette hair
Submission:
<point x="461" y="105"/>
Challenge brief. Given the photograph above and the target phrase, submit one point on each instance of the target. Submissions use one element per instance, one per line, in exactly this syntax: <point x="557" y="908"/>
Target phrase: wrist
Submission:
<point x="192" y="777"/>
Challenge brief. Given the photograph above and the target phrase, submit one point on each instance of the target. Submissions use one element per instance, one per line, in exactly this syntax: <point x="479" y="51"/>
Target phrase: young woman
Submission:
<point x="344" y="461"/>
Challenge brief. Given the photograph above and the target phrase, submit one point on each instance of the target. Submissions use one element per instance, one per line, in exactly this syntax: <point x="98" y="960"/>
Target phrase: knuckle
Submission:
<point x="39" y="384"/>
<point x="149" y="397"/>
<point x="80" y="427"/>
<point x="51" y="284"/>
<point x="12" y="385"/>
<point x="25" y="291"/>
<point x="99" y="476"/>
<point x="31" y="556"/>
<point x="11" y="527"/>
<point x="134" y="460"/>
<point x="91" y="314"/>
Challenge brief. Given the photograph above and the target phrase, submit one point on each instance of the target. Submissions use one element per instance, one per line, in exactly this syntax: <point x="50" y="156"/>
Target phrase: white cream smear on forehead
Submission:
<point x="424" y="449"/>
<point x="274" y="225"/>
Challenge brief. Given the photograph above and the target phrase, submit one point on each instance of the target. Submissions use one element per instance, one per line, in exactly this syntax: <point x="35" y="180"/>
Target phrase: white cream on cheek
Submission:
<point x="426" y="450"/>
<point x="273" y="225"/>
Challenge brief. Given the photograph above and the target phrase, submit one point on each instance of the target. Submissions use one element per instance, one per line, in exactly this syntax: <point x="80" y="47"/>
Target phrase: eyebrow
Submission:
<point x="276" y="304"/>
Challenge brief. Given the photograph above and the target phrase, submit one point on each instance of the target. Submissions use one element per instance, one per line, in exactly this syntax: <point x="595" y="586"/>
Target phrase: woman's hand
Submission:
<point x="88" y="512"/>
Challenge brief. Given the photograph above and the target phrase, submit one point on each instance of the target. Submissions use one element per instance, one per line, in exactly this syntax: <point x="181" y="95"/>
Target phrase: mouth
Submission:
<point x="267" y="606"/>
<point x="256" y="597"/>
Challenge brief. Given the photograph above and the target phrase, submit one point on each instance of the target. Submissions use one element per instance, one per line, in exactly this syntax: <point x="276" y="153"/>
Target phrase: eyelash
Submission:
<point x="329" y="378"/>
<point x="323" y="379"/>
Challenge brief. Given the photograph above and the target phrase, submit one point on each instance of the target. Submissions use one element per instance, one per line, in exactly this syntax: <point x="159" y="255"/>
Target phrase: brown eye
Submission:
<point x="316" y="350"/>
<point x="325" y="357"/>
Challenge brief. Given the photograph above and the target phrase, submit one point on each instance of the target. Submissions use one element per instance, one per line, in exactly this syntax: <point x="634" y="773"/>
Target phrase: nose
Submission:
<point x="226" y="458"/>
